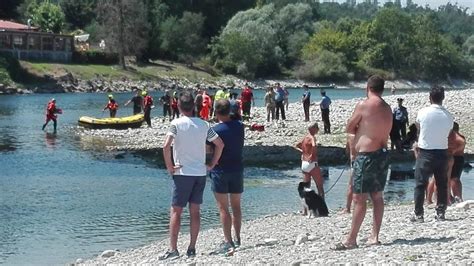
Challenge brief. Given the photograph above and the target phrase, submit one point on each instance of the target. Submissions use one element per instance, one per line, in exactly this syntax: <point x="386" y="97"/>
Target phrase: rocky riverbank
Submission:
<point x="292" y="239"/>
<point x="64" y="81"/>
<point x="275" y="144"/>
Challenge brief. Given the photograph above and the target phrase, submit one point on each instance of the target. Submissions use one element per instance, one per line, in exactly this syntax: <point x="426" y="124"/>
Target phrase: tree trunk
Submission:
<point x="121" y="35"/>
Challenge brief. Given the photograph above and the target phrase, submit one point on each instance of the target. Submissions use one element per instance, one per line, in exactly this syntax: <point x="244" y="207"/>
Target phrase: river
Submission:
<point x="62" y="198"/>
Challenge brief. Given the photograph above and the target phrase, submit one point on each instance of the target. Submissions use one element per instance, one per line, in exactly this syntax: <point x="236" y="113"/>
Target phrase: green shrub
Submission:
<point x="323" y="66"/>
<point x="11" y="70"/>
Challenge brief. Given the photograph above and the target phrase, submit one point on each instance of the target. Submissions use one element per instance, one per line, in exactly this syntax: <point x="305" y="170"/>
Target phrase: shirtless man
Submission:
<point x="458" y="143"/>
<point x="368" y="131"/>
<point x="309" y="158"/>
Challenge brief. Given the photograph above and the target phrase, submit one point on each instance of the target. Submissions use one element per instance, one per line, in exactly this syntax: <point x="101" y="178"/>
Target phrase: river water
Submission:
<point x="62" y="198"/>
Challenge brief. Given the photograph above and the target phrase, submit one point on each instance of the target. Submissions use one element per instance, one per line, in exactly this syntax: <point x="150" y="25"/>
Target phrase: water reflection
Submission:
<point x="8" y="143"/>
<point x="50" y="139"/>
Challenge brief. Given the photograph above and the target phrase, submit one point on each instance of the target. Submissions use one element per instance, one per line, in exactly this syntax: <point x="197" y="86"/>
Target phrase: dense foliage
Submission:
<point x="255" y="38"/>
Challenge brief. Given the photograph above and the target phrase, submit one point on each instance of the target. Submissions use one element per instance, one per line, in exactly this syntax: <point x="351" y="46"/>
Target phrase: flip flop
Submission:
<point x="341" y="246"/>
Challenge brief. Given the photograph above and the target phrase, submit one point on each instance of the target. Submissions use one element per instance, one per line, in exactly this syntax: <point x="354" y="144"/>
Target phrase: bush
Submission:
<point x="95" y="57"/>
<point x="11" y="71"/>
<point x="323" y="66"/>
<point x="363" y="72"/>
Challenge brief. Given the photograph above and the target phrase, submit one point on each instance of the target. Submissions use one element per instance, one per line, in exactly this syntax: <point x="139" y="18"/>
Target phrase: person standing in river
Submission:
<point x="51" y="111"/>
<point x="368" y="130"/>
<point x="187" y="137"/>
<point x="324" y="105"/>
<point x="435" y="124"/>
<point x="112" y="106"/>
<point x="227" y="177"/>
<point x="306" y="100"/>
<point x="137" y="101"/>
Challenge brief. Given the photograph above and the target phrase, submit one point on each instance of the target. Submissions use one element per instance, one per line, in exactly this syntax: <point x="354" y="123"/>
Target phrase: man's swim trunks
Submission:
<point x="457" y="166"/>
<point x="370" y="171"/>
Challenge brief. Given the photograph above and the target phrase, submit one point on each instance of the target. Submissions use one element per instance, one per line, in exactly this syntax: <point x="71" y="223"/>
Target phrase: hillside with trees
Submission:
<point x="279" y="38"/>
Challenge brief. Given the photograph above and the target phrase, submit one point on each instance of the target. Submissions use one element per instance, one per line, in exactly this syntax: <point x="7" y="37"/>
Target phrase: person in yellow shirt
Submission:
<point x="221" y="94"/>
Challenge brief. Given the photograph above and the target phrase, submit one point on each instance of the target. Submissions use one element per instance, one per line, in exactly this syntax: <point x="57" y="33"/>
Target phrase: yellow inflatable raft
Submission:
<point x="133" y="121"/>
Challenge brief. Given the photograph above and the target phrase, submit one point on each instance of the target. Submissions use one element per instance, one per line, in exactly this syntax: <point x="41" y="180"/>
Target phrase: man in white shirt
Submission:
<point x="434" y="125"/>
<point x="188" y="135"/>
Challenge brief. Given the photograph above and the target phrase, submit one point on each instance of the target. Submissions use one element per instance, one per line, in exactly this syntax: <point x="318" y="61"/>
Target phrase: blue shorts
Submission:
<point x="227" y="182"/>
<point x="187" y="189"/>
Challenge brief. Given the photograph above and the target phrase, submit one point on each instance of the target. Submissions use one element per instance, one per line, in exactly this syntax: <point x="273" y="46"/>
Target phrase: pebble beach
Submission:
<point x="293" y="239"/>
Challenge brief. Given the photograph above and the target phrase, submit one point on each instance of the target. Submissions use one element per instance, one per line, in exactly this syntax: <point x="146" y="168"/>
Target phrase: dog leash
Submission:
<point x="339" y="177"/>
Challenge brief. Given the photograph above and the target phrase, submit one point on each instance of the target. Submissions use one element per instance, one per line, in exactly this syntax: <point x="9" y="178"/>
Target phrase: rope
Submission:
<point x="337" y="180"/>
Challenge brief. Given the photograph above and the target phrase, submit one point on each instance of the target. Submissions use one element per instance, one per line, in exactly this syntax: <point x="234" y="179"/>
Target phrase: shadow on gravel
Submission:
<point x="420" y="241"/>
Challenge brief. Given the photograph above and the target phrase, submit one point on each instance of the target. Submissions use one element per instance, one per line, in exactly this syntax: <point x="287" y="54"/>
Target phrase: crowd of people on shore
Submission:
<point x="368" y="132"/>
<point x="434" y="137"/>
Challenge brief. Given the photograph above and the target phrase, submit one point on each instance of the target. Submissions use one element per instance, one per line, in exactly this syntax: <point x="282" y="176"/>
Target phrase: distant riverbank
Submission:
<point x="68" y="84"/>
<point x="73" y="78"/>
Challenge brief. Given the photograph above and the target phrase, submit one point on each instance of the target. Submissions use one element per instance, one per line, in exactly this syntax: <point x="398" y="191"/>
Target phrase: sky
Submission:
<point x="432" y="3"/>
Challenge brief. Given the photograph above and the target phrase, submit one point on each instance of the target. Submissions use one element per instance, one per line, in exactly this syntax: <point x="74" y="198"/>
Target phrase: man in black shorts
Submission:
<point x="227" y="175"/>
<point x="137" y="101"/>
<point x="458" y="144"/>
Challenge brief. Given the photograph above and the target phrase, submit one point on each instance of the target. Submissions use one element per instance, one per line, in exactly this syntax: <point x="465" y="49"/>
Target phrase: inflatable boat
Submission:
<point x="133" y="121"/>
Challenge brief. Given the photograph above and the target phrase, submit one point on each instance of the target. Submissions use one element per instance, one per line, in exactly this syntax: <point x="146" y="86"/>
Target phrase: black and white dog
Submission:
<point x="313" y="204"/>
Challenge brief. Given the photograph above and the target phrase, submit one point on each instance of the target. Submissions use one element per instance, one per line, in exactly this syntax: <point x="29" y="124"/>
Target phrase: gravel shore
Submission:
<point x="290" y="238"/>
<point x="276" y="142"/>
<point x="295" y="239"/>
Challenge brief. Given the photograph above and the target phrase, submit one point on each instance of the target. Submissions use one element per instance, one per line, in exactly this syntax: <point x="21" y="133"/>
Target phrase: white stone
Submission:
<point x="300" y="239"/>
<point x="270" y="241"/>
<point x="108" y="253"/>
<point x="465" y="204"/>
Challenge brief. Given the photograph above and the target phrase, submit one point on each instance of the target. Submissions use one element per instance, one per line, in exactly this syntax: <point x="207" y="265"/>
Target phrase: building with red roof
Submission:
<point x="10" y="25"/>
<point x="28" y="43"/>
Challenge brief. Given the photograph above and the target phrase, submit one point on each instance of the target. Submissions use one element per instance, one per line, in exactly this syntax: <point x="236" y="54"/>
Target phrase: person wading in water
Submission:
<point x="51" y="112"/>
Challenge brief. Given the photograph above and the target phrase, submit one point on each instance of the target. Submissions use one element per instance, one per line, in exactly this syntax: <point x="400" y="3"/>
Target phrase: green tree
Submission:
<point x="123" y="26"/>
<point x="323" y="66"/>
<point x="48" y="17"/>
<point x="468" y="46"/>
<point x="434" y="56"/>
<point x="394" y="28"/>
<point x="79" y="14"/>
<point x="329" y="40"/>
<point x="293" y="24"/>
<point x="182" y="38"/>
<point x="158" y="11"/>
<point x="248" y="45"/>
<point x="456" y="22"/>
